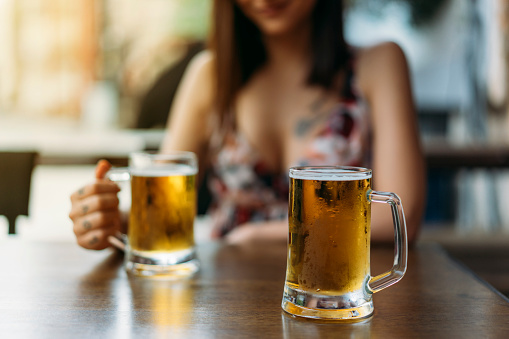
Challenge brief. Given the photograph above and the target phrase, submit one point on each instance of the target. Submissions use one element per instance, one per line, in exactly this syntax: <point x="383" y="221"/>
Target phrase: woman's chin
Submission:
<point x="276" y="29"/>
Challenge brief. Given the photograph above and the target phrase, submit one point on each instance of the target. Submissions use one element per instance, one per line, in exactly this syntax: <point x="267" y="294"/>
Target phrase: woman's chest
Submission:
<point x="303" y="127"/>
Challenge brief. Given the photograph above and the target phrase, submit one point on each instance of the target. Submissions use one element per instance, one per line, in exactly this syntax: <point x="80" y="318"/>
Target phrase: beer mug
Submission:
<point x="160" y="239"/>
<point x="328" y="266"/>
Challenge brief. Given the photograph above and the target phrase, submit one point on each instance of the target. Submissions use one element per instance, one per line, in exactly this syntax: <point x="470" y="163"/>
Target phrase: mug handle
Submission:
<point x="118" y="174"/>
<point x="398" y="270"/>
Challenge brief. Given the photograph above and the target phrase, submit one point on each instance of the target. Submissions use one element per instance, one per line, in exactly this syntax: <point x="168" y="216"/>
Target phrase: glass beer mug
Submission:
<point x="328" y="267"/>
<point x="160" y="239"/>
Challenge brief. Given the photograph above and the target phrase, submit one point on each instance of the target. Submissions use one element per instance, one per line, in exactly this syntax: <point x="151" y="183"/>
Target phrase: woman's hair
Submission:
<point x="239" y="51"/>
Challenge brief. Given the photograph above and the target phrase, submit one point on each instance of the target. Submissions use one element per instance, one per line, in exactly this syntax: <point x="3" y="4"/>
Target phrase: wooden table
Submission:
<point x="57" y="290"/>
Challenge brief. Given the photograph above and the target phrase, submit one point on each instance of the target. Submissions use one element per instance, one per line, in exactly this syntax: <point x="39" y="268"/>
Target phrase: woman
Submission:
<point x="280" y="87"/>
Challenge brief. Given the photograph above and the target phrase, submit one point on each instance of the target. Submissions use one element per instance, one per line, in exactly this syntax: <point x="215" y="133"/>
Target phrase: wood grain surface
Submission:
<point x="57" y="290"/>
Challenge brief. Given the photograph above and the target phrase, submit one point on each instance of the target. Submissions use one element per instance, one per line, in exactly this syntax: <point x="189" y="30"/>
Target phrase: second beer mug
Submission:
<point x="160" y="239"/>
<point x="328" y="268"/>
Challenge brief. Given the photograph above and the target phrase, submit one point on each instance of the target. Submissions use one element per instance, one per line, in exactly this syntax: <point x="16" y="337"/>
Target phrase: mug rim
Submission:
<point x="330" y="172"/>
<point x="169" y="155"/>
<point x="151" y="159"/>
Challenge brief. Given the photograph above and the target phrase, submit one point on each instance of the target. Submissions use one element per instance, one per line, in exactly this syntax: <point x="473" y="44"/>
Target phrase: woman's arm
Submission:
<point x="398" y="162"/>
<point x="188" y="126"/>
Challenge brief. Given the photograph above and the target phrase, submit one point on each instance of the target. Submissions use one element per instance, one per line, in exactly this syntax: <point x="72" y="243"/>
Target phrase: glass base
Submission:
<point x="352" y="306"/>
<point x="172" y="265"/>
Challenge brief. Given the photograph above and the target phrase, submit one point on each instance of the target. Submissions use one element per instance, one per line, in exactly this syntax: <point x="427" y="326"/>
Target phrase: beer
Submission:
<point x="328" y="267"/>
<point x="329" y="234"/>
<point x="163" y="209"/>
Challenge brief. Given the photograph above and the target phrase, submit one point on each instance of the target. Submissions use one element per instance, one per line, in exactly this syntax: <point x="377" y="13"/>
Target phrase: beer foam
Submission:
<point x="164" y="171"/>
<point x="329" y="174"/>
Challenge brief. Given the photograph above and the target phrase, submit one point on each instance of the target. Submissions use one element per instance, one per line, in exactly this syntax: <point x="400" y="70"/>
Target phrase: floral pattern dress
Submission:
<point x="245" y="190"/>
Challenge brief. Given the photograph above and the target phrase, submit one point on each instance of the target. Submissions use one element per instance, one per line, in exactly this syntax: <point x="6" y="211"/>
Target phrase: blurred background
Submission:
<point x="87" y="79"/>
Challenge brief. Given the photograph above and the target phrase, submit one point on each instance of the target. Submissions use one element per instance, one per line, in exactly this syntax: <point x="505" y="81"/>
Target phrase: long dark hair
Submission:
<point x="239" y="50"/>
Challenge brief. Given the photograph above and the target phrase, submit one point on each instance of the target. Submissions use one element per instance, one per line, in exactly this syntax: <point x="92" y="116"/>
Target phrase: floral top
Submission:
<point x="245" y="190"/>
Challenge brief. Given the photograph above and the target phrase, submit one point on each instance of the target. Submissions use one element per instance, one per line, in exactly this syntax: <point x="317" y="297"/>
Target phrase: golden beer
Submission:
<point x="160" y="239"/>
<point x="329" y="235"/>
<point x="162" y="211"/>
<point x="328" y="266"/>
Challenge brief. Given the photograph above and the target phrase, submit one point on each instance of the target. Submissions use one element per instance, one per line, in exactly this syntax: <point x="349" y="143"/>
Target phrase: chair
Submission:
<point x="15" y="180"/>
<point x="156" y="103"/>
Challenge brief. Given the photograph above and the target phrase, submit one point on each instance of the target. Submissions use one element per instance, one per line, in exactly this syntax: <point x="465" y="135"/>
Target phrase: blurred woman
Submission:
<point x="279" y="87"/>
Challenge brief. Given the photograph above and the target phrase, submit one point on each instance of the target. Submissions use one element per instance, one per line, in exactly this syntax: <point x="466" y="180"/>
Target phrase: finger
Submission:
<point x="103" y="166"/>
<point x="96" y="239"/>
<point x="98" y="187"/>
<point x="98" y="202"/>
<point x="97" y="220"/>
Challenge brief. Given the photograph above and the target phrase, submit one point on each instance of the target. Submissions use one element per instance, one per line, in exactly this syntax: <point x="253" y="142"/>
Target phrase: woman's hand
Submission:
<point x="275" y="231"/>
<point x="95" y="212"/>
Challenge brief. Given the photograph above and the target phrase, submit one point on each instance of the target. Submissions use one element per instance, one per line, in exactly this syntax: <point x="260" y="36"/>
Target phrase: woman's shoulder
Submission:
<point x="199" y="77"/>
<point x="201" y="67"/>
<point x="382" y="54"/>
<point x="204" y="60"/>
<point x="380" y="50"/>
<point x="379" y="63"/>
